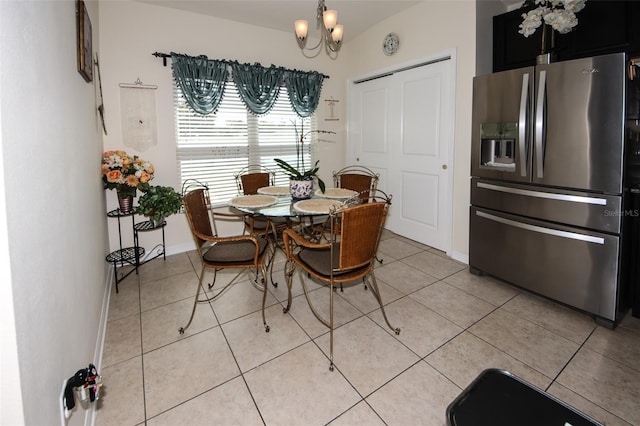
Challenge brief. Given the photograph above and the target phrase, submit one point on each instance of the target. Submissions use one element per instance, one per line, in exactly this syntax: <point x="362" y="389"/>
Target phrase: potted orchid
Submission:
<point x="301" y="184"/>
<point x="556" y="15"/>
<point x="126" y="175"/>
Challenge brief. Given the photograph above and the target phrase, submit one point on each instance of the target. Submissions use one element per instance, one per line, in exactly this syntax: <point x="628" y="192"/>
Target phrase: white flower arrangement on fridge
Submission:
<point x="560" y="14"/>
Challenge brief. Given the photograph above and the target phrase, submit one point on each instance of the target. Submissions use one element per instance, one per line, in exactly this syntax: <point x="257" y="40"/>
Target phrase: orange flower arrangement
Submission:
<point x="124" y="173"/>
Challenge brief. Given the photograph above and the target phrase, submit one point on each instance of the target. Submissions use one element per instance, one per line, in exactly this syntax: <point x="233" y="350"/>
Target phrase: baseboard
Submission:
<point x="90" y="416"/>
<point x="89" y="409"/>
<point x="460" y="257"/>
<point x="181" y="248"/>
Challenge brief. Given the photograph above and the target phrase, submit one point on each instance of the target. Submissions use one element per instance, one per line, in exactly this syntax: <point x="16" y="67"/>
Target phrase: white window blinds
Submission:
<point x="213" y="148"/>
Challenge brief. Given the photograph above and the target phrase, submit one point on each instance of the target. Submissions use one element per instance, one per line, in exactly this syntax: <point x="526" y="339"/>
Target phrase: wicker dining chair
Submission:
<point x="244" y="252"/>
<point x="346" y="258"/>
<point x="253" y="177"/>
<point x="357" y="178"/>
<point x="248" y="181"/>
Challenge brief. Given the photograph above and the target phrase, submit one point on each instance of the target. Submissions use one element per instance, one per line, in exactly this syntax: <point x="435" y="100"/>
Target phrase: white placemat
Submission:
<point x="319" y="206"/>
<point x="336" y="193"/>
<point x="253" y="201"/>
<point x="274" y="190"/>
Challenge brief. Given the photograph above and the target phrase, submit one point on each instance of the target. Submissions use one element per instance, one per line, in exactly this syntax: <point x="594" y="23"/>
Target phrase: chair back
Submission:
<point x="361" y="228"/>
<point x="252" y="178"/>
<point x="357" y="178"/>
<point x="197" y="212"/>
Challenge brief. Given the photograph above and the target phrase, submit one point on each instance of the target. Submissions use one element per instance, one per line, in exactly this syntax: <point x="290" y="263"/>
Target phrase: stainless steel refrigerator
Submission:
<point x="548" y="182"/>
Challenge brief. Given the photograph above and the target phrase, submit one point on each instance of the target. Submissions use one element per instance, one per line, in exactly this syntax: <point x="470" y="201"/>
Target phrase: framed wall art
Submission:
<point x="85" y="53"/>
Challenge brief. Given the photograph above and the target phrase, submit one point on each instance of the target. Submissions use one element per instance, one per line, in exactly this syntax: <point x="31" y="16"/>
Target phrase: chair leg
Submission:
<point x="272" y="258"/>
<point x="376" y="293"/>
<point x="181" y="330"/>
<point x="289" y="269"/>
<point x="331" y="326"/>
<point x="264" y="300"/>
<point x="215" y="275"/>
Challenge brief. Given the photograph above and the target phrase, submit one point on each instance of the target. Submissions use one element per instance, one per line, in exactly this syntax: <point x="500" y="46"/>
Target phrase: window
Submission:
<point x="213" y="148"/>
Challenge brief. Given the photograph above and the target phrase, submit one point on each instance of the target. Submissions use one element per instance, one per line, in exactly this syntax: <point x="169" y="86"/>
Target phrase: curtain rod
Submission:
<point x="164" y="57"/>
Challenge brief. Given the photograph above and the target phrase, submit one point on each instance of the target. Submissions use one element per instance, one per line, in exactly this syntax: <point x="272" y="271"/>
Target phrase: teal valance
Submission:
<point x="304" y="91"/>
<point x="203" y="82"/>
<point x="258" y="86"/>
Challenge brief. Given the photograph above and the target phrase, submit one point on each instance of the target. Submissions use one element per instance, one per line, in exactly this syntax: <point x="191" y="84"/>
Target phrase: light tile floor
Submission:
<point x="225" y="370"/>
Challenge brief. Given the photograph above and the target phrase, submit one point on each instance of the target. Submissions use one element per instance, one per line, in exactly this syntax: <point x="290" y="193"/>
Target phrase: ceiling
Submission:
<point x="355" y="15"/>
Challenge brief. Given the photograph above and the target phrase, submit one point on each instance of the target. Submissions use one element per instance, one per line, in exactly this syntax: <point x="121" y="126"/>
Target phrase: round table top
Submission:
<point x="287" y="207"/>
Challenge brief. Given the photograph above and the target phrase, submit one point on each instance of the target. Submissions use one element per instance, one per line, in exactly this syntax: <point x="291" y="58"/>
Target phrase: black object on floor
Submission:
<point x="498" y="398"/>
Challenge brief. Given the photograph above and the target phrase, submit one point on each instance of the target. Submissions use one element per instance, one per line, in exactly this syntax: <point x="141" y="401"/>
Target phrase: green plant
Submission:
<point x="296" y="174"/>
<point x="300" y="172"/>
<point x="159" y="202"/>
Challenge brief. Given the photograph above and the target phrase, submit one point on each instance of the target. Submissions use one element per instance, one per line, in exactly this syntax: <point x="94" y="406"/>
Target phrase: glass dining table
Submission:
<point x="282" y="211"/>
<point x="276" y="202"/>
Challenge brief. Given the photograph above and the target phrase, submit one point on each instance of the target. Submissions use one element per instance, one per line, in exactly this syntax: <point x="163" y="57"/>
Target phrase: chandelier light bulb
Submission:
<point x="330" y="18"/>
<point x="336" y="35"/>
<point x="301" y="26"/>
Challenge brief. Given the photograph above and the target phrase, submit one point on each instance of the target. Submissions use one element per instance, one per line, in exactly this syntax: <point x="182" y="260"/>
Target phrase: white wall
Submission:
<point x="426" y="30"/>
<point x="131" y="32"/>
<point x="55" y="214"/>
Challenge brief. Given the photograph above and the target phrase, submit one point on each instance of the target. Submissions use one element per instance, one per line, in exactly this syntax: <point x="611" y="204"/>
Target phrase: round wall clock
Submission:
<point x="390" y="44"/>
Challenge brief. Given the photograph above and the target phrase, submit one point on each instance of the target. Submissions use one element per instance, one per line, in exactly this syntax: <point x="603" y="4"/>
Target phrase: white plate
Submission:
<point x="274" y="190"/>
<point x="253" y="201"/>
<point x="336" y="193"/>
<point x="316" y="206"/>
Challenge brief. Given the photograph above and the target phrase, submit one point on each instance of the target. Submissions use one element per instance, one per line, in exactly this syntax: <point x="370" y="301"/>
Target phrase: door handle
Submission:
<point x="522" y="124"/>
<point x="540" y="123"/>
<point x="542" y="229"/>
<point x="548" y="195"/>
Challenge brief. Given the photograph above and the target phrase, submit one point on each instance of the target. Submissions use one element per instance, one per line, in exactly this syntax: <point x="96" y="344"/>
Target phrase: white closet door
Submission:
<point x="401" y="126"/>
<point x="369" y="135"/>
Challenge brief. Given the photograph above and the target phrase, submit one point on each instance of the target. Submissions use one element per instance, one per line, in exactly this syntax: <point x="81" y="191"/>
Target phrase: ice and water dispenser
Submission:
<point x="498" y="145"/>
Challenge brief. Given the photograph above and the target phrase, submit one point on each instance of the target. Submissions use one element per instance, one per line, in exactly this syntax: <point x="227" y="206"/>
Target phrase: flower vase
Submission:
<point x="125" y="202"/>
<point x="301" y="189"/>
<point x="547" y="55"/>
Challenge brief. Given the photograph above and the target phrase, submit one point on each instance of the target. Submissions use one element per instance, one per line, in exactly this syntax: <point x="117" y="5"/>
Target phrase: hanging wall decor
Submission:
<point x="331" y="113"/>
<point x="100" y="99"/>
<point x="85" y="54"/>
<point x="138" y="108"/>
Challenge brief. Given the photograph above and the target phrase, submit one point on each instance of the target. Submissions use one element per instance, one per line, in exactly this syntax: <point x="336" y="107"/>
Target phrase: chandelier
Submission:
<point x="331" y="38"/>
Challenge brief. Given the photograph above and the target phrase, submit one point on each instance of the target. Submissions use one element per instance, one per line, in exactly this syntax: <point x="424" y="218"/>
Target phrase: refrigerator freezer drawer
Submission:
<point x="570" y="265"/>
<point x="585" y="210"/>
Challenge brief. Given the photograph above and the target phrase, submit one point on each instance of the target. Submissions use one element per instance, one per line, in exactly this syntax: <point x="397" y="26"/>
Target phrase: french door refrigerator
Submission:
<point x="548" y="198"/>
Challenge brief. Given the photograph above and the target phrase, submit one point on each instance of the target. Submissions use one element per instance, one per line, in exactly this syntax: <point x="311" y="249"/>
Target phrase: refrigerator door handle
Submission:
<point x="542" y="230"/>
<point x="548" y="195"/>
<point x="522" y="124"/>
<point x="542" y="83"/>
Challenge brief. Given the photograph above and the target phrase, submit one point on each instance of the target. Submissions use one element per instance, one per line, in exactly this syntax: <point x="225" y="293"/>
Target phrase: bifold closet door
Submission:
<point x="400" y="126"/>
